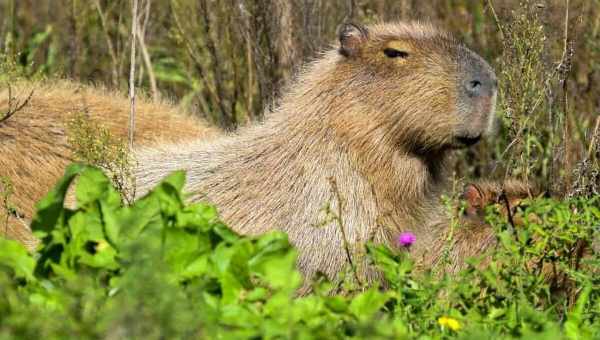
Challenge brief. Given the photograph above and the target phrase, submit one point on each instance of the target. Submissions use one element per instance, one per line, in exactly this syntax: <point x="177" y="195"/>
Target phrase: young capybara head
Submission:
<point x="429" y="91"/>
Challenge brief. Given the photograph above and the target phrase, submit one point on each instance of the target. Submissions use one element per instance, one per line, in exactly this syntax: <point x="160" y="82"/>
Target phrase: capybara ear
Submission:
<point x="474" y="198"/>
<point x="351" y="37"/>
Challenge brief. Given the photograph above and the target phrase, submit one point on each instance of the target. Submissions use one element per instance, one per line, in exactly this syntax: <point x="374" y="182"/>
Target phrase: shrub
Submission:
<point x="162" y="268"/>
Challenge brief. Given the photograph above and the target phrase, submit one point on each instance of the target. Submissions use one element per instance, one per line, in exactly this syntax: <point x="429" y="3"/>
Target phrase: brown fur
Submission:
<point x="33" y="143"/>
<point x="376" y="129"/>
<point x="506" y="195"/>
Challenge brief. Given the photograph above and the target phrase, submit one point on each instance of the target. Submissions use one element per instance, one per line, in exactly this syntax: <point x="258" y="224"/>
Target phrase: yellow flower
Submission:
<point x="101" y="245"/>
<point x="451" y="323"/>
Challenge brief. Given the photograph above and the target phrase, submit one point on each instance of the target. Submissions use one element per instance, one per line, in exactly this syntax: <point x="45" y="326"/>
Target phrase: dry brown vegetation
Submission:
<point x="226" y="60"/>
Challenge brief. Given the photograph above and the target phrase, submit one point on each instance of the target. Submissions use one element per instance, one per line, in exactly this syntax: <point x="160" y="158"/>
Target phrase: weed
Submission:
<point x="162" y="268"/>
<point x="95" y="145"/>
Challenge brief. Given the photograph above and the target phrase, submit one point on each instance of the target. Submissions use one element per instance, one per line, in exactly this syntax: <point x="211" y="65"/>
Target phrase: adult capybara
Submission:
<point x="356" y="150"/>
<point x="34" y="148"/>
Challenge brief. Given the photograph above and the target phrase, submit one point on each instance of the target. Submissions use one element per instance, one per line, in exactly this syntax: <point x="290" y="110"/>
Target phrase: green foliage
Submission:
<point x="161" y="268"/>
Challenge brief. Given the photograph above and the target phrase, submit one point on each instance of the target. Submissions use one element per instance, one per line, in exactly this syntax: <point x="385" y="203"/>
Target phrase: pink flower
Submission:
<point x="406" y="239"/>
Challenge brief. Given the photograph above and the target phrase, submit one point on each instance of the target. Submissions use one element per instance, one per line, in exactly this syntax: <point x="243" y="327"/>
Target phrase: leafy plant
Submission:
<point x="162" y="268"/>
<point x="96" y="145"/>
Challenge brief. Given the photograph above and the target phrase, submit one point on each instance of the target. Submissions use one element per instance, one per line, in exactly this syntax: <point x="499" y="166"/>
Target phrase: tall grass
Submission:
<point x="229" y="60"/>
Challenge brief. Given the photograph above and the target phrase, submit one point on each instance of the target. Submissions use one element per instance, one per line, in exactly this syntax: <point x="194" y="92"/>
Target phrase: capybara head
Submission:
<point x="507" y="196"/>
<point x="426" y="90"/>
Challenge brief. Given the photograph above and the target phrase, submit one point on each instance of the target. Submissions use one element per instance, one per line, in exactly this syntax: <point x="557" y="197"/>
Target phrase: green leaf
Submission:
<point x="575" y="317"/>
<point x="337" y="304"/>
<point x="181" y="249"/>
<point x="14" y="256"/>
<point x="366" y="304"/>
<point x="93" y="185"/>
<point x="49" y="210"/>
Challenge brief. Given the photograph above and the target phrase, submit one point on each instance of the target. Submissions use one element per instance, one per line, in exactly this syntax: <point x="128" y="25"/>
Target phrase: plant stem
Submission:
<point x="134" y="18"/>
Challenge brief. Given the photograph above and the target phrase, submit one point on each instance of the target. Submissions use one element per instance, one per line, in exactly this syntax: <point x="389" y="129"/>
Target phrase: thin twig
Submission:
<point x="148" y="63"/>
<point x="134" y="19"/>
<point x="214" y="64"/>
<point x="111" y="48"/>
<point x="594" y="140"/>
<point x="504" y="198"/>
<point x="13" y="105"/>
<point x="6" y="191"/>
<point x="564" y="66"/>
<point x="198" y="60"/>
<point x="339" y="219"/>
<point x="496" y="19"/>
<point x="141" y="38"/>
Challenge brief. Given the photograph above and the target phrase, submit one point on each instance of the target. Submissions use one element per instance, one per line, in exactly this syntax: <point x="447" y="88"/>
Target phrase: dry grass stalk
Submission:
<point x="134" y="31"/>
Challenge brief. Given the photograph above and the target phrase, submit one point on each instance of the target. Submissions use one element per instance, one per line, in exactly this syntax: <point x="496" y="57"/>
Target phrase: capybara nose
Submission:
<point x="480" y="86"/>
<point x="477" y="87"/>
<point x="478" y="80"/>
<point x="474" y="88"/>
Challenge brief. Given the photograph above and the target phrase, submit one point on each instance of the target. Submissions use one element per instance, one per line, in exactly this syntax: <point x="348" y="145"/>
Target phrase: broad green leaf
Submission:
<point x="14" y="256"/>
<point x="92" y="186"/>
<point x="49" y="211"/>
<point x="366" y="304"/>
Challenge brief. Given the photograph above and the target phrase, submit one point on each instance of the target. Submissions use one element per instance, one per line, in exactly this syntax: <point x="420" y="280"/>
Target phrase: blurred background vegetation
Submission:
<point x="229" y="60"/>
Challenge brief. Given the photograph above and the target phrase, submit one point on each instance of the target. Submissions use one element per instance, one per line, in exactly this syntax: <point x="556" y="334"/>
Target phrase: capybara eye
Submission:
<point x="393" y="53"/>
